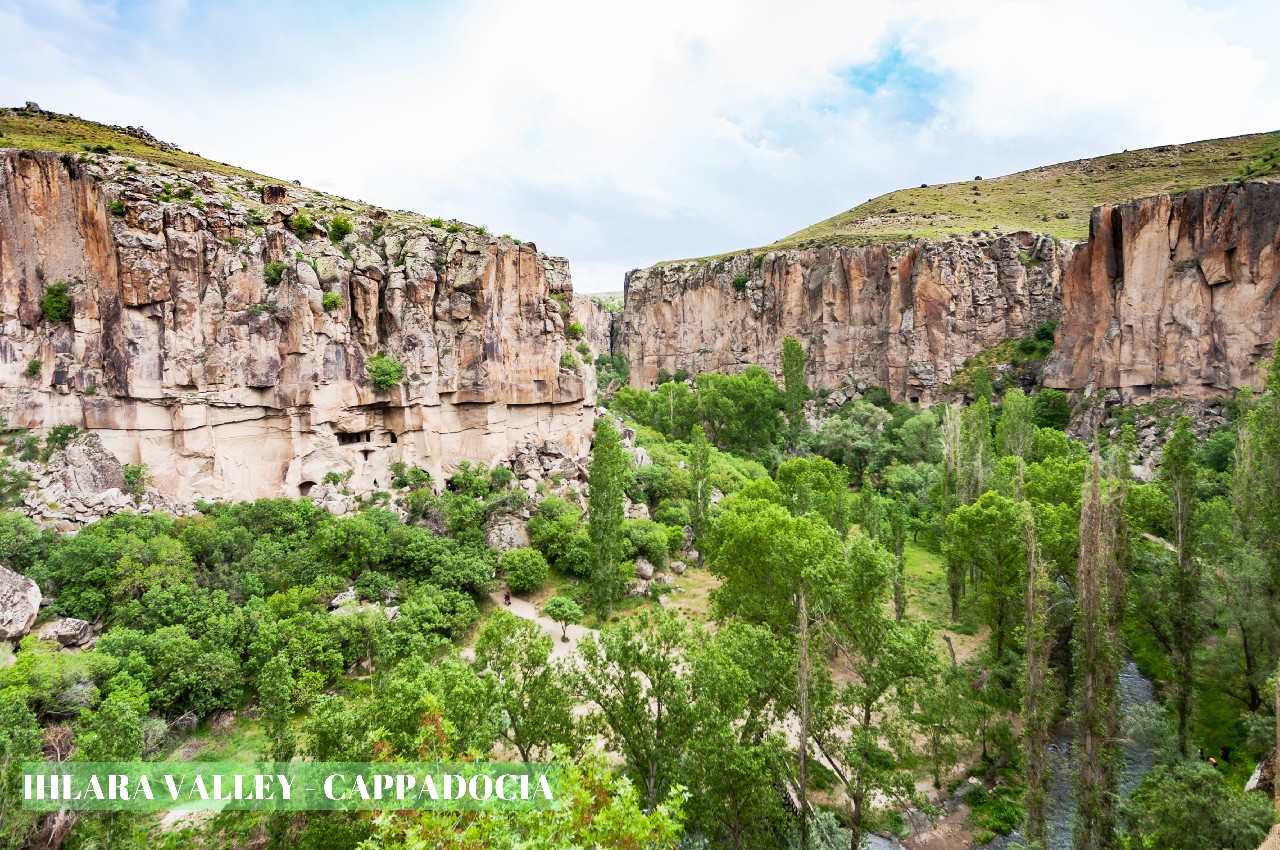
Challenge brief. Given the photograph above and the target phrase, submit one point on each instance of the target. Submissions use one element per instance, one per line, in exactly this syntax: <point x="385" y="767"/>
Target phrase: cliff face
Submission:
<point x="1170" y="296"/>
<point x="1173" y="295"/>
<point x="182" y="354"/>
<point x="901" y="317"/>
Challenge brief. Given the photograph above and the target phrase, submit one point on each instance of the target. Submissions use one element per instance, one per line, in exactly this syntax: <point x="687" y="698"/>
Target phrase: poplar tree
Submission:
<point x="605" y="513"/>
<point x="1040" y="695"/>
<point x="275" y="692"/>
<point x="793" y="361"/>
<point x="699" y="471"/>
<point x="1178" y="469"/>
<point x="1015" y="431"/>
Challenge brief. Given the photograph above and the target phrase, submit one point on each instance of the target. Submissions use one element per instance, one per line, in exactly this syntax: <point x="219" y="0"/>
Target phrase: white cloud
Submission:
<point x="621" y="135"/>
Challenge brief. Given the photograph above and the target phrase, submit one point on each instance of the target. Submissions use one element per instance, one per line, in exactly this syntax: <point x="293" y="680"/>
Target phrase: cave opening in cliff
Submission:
<point x="355" y="437"/>
<point x="304" y="489"/>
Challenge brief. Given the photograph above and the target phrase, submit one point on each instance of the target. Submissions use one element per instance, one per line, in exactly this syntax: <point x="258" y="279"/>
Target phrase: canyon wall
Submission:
<point x="900" y="317"/>
<point x="1169" y="296"/>
<point x="185" y="353"/>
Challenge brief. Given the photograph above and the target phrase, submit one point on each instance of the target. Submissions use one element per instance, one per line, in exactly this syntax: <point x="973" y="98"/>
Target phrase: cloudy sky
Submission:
<point x="622" y="134"/>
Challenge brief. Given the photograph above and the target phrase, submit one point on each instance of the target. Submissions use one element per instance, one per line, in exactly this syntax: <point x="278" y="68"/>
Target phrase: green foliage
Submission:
<point x="13" y="483"/>
<point x="301" y="224"/>
<point x="1051" y="409"/>
<point x="648" y="540"/>
<point x="55" y="304"/>
<point x="1189" y="805"/>
<point x="982" y="387"/>
<point x="33" y="367"/>
<point x="609" y="466"/>
<point x="116" y="208"/>
<point x="385" y="372"/>
<point x="525" y="569"/>
<point x="272" y="273"/>
<point x="794" y="390"/>
<point x="575" y="330"/>
<point x="564" y="611"/>
<point x="339" y="228"/>
<point x="331" y="301"/>
<point x="612" y="367"/>
<point x="57" y="438"/>
<point x="740" y="282"/>
<point x="136" y="478"/>
<point x="569" y="361"/>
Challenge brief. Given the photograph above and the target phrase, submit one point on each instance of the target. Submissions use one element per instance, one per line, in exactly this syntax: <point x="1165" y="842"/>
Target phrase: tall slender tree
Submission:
<point x="700" y="472"/>
<point x="793" y="361"/>
<point x="1178" y="469"/>
<point x="1038" y="693"/>
<point x="1015" y="431"/>
<point x="605" y="513"/>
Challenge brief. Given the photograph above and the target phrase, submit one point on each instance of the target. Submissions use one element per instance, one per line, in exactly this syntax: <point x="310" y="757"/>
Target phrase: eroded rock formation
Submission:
<point x="901" y="317"/>
<point x="1170" y="296"/>
<point x="227" y="344"/>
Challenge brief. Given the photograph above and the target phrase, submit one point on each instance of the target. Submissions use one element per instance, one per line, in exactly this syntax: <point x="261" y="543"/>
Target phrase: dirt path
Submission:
<point x="526" y="610"/>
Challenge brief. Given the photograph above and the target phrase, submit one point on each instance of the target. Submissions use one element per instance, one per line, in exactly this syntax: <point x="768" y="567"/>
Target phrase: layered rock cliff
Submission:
<point x="1171" y="295"/>
<point x="904" y="317"/>
<point x="226" y="342"/>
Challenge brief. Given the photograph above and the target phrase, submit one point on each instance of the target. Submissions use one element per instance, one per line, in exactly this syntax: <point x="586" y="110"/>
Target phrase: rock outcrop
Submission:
<point x="904" y="317"/>
<point x="228" y="345"/>
<point x="19" y="604"/>
<point x="1171" y="295"/>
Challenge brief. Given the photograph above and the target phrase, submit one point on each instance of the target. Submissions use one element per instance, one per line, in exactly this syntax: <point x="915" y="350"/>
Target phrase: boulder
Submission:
<point x="67" y="631"/>
<point x="644" y="568"/>
<point x="348" y="595"/>
<point x="677" y="567"/>
<point x="635" y="510"/>
<point x="506" y="534"/>
<point x="1263" y="779"/>
<point x="19" y="603"/>
<point x="86" y="469"/>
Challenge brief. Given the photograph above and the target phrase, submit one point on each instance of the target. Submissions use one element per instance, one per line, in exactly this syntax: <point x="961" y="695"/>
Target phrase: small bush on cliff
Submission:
<point x="526" y="569"/>
<point x="58" y="437"/>
<point x="339" y="228"/>
<point x="331" y="301"/>
<point x="385" y="372"/>
<point x="34" y="367"/>
<point x="302" y="225"/>
<point x="740" y="282"/>
<point x="136" y="478"/>
<point x="273" y="272"/>
<point x="575" y="330"/>
<point x="569" y="361"/>
<point x="116" y="208"/>
<point x="55" y="306"/>
<point x="436" y="222"/>
<point x="13" y="483"/>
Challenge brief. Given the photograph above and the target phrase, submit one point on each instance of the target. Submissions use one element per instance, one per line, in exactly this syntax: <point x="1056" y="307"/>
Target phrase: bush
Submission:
<point x="13" y="484"/>
<point x="1190" y="806"/>
<point x="34" y="367"/>
<point x="740" y="282"/>
<point x="1051" y="409"/>
<point x="272" y="273"/>
<point x="385" y="372"/>
<point x="569" y="361"/>
<point x="55" y="304"/>
<point x="136" y="478"/>
<point x="436" y="222"/>
<point x="331" y="301"/>
<point x="116" y="208"/>
<point x="526" y="569"/>
<point x="649" y="539"/>
<point x="302" y="225"/>
<point x="672" y="512"/>
<point x="339" y="228"/>
<point x="575" y="330"/>
<point x="58" y="437"/>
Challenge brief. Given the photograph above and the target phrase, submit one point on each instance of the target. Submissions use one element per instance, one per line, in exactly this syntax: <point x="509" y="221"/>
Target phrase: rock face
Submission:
<point x="901" y="317"/>
<point x="232" y="357"/>
<point x="1170" y="296"/>
<point x="19" y="603"/>
<point x="1173" y="295"/>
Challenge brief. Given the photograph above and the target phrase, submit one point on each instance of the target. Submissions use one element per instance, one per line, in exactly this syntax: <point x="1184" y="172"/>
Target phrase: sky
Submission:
<point x="619" y="135"/>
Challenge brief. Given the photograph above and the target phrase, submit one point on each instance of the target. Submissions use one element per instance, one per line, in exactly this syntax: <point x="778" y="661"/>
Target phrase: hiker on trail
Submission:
<point x="506" y="598"/>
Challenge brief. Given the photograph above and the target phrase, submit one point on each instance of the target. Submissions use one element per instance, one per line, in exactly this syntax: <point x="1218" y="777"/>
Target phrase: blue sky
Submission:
<point x="620" y="136"/>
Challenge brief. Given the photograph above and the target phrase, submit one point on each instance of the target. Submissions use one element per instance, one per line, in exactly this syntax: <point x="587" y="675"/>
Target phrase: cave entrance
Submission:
<point x="304" y="489"/>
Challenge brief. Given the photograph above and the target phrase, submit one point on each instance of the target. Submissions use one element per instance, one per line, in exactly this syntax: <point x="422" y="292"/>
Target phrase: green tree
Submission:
<point x="526" y="569"/>
<point x="1188" y="806"/>
<point x="794" y="390"/>
<point x="20" y="739"/>
<point x="1178" y="471"/>
<point x="1015" y="432"/>
<point x="982" y="386"/>
<point x="564" y="611"/>
<point x="986" y="538"/>
<point x="275" y="692"/>
<point x="112" y="732"/>
<point x="529" y="689"/>
<point x="609" y="464"/>
<point x="699" y="471"/>
<point x="1051" y="409"/>
<point x="634" y="677"/>
<point x="55" y="305"/>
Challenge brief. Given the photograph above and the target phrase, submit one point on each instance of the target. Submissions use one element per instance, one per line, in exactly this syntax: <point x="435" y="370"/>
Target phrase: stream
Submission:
<point x="1135" y="691"/>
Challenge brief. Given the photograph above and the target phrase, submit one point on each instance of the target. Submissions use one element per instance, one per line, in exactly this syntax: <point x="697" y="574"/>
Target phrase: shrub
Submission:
<point x="1051" y="409"/>
<point x="526" y="569"/>
<point x="436" y="222"/>
<point x="185" y="193"/>
<point x="12" y="483"/>
<point x="136" y="478"/>
<point x="55" y="304"/>
<point x="302" y="225"/>
<point x="740" y="282"/>
<point x="272" y="273"/>
<point x="34" y="367"/>
<point x="671" y="512"/>
<point x="116" y="208"/>
<point x="402" y="476"/>
<point x="453" y="228"/>
<point x="58" y="436"/>
<point x="649" y="539"/>
<point x="333" y="478"/>
<point x="331" y="301"/>
<point x="385" y="372"/>
<point x="339" y="228"/>
<point x="575" y="330"/>
<point x="260" y="308"/>
<point x="569" y="361"/>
